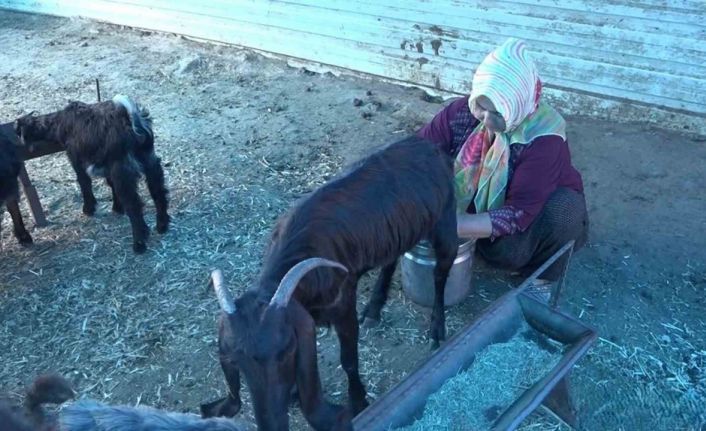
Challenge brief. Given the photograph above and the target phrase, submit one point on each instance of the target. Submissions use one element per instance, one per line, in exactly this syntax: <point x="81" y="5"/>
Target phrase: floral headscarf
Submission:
<point x="509" y="78"/>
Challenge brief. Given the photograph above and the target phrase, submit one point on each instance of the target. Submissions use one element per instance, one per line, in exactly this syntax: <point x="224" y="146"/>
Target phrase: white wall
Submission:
<point x="593" y="55"/>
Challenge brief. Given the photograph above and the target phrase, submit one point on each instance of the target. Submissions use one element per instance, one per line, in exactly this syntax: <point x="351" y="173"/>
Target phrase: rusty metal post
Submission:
<point x="33" y="198"/>
<point x="559" y="285"/>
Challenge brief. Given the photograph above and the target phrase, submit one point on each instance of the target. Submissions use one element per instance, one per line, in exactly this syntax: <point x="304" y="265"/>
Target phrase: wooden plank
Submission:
<point x="596" y="19"/>
<point x="564" y="72"/>
<point x="669" y="11"/>
<point x="628" y="9"/>
<point x="673" y="86"/>
<point x="35" y="205"/>
<point x="338" y="18"/>
<point x="560" y="71"/>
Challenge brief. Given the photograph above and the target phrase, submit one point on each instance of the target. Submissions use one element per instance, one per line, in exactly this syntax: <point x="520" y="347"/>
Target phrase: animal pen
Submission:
<point x="256" y="104"/>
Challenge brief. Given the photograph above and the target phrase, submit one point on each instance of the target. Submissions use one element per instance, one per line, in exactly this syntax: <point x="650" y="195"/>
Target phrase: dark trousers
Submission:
<point x="563" y="218"/>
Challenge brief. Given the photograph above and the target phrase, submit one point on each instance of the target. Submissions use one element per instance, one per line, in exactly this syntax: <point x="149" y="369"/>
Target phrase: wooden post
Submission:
<point x="33" y="198"/>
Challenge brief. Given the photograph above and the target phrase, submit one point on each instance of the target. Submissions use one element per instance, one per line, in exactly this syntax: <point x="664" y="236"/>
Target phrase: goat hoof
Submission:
<point x="24" y="238"/>
<point x="369" y="322"/>
<point x="368" y="314"/>
<point x="434" y="345"/>
<point x="359" y="406"/>
<point x="118" y="210"/>
<point x="294" y="396"/>
<point x="139" y="247"/>
<point x="224" y="407"/>
<point x="89" y="210"/>
<point x="438" y="333"/>
<point x="163" y="225"/>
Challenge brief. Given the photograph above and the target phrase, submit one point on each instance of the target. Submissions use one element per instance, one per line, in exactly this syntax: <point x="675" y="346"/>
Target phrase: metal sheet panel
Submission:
<point x="642" y="51"/>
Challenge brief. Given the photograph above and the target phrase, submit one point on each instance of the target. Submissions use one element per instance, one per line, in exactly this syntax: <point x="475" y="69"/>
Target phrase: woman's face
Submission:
<point x="484" y="110"/>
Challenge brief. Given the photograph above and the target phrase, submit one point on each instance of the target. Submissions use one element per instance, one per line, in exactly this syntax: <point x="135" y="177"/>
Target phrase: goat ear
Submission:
<point x="50" y="388"/>
<point x="224" y="298"/>
<point x="21" y="121"/>
<point x="295" y="274"/>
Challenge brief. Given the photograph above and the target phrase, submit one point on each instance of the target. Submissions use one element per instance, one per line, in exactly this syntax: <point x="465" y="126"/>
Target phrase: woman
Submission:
<point x="516" y="189"/>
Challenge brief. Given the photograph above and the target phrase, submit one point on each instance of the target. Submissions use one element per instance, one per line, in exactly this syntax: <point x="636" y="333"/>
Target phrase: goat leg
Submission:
<point x="117" y="206"/>
<point x="230" y="405"/>
<point x="320" y="414"/>
<point x="347" y="331"/>
<point x="85" y="184"/>
<point x="372" y="312"/>
<point x="13" y="207"/>
<point x="438" y="319"/>
<point x="124" y="179"/>
<point x="154" y="176"/>
<point x="232" y="375"/>
<point x="445" y="243"/>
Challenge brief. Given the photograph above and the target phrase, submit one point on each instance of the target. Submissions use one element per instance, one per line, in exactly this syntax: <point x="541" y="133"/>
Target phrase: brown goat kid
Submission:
<point x="366" y="218"/>
<point x="111" y="139"/>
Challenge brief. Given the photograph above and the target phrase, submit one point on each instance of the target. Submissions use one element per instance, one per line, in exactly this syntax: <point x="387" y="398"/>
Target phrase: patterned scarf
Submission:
<point x="509" y="78"/>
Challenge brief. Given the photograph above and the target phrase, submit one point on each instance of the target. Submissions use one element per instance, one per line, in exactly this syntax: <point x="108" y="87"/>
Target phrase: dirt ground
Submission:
<point x="241" y="137"/>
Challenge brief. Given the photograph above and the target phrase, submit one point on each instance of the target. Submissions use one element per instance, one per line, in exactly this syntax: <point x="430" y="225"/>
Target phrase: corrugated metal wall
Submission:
<point x="646" y="51"/>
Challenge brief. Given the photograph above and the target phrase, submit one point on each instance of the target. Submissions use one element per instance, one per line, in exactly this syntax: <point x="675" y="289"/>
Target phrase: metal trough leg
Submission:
<point x="560" y="404"/>
<point x="33" y="198"/>
<point x="556" y="289"/>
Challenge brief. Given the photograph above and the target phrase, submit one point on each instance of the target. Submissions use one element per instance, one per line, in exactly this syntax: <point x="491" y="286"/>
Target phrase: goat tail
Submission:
<point x="140" y="117"/>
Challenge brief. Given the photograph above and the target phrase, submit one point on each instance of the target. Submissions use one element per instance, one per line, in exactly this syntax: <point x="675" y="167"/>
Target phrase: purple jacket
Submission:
<point x="536" y="170"/>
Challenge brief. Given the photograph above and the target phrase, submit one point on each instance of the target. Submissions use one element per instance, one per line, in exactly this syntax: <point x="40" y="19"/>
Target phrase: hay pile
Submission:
<point x="474" y="398"/>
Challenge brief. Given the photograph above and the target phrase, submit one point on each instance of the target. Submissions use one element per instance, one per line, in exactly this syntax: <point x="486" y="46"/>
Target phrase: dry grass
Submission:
<point x="666" y="390"/>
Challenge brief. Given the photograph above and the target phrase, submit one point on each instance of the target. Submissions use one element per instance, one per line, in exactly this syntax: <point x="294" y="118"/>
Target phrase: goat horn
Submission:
<point x="295" y="274"/>
<point x="224" y="298"/>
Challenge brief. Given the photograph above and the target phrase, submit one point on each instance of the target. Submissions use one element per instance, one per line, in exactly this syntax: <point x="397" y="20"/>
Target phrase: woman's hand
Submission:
<point x="474" y="225"/>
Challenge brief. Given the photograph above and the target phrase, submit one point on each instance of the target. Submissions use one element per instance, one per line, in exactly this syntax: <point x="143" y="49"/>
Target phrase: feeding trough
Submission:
<point x="500" y="323"/>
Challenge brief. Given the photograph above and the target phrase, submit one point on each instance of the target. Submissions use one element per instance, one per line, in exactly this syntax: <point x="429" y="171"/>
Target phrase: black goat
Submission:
<point x="364" y="219"/>
<point x="110" y="139"/>
<point x="31" y="416"/>
<point x="10" y="165"/>
<point x="11" y="419"/>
